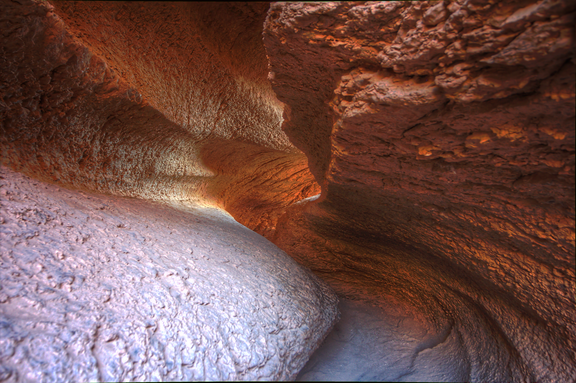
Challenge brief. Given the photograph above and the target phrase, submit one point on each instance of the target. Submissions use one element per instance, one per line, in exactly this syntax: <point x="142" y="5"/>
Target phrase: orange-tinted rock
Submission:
<point x="127" y="99"/>
<point x="255" y="184"/>
<point x="122" y="97"/>
<point x="201" y="65"/>
<point x="443" y="137"/>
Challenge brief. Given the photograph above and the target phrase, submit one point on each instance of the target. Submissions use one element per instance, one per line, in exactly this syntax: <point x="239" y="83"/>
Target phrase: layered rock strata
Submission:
<point x="442" y="134"/>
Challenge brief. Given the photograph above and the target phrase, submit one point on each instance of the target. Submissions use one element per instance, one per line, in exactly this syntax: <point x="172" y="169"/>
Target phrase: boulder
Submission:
<point x="108" y="288"/>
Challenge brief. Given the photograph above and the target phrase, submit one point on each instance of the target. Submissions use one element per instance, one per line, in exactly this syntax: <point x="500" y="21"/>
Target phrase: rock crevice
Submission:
<point x="417" y="156"/>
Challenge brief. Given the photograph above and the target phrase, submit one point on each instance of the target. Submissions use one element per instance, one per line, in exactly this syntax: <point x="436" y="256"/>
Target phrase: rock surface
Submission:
<point x="123" y="97"/>
<point x="373" y="342"/>
<point x="157" y="101"/>
<point x="442" y="135"/>
<point x="160" y="101"/>
<point x="115" y="289"/>
<point x="418" y="156"/>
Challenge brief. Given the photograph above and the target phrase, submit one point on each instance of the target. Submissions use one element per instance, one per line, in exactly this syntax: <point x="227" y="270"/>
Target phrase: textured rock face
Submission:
<point x="255" y="184"/>
<point x="161" y="101"/>
<point x="112" y="289"/>
<point x="122" y="97"/>
<point x="442" y="134"/>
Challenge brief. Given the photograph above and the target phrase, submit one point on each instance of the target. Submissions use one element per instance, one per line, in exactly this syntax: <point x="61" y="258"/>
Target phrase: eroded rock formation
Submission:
<point x="125" y="99"/>
<point x="102" y="288"/>
<point x="418" y="156"/>
<point x="442" y="134"/>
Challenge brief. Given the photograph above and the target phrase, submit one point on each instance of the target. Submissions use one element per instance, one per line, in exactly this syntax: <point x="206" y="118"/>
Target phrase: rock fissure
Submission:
<point x="417" y="156"/>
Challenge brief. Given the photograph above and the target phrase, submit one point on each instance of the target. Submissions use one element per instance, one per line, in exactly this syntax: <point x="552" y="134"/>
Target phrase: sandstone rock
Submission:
<point x="168" y="102"/>
<point x="111" y="289"/>
<point x="330" y="52"/>
<point x="440" y="185"/>
<point x="255" y="184"/>
<point x="386" y="343"/>
<point x="436" y="183"/>
<point x="124" y="99"/>
<point x="98" y="100"/>
<point x="434" y="15"/>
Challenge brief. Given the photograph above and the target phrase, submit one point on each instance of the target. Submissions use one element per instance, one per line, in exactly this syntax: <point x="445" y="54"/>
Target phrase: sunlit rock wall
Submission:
<point x="122" y="97"/>
<point x="442" y="134"/>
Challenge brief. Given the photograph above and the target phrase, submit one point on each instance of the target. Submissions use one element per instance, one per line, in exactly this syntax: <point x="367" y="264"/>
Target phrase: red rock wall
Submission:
<point x="121" y="97"/>
<point x="202" y="66"/>
<point x="442" y="134"/>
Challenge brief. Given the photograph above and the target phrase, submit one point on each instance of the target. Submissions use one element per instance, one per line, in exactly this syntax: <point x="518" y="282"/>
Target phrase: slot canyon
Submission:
<point x="364" y="191"/>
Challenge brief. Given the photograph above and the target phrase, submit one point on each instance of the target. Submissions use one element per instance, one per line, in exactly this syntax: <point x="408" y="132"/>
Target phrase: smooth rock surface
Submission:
<point x="115" y="289"/>
<point x="381" y="342"/>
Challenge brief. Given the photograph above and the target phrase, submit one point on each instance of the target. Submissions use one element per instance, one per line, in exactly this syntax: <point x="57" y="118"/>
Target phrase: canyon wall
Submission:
<point x="418" y="156"/>
<point x="167" y="102"/>
<point x="121" y="97"/>
<point x="442" y="135"/>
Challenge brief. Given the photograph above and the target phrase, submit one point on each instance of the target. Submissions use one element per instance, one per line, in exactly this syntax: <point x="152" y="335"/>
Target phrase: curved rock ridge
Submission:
<point x="68" y="118"/>
<point x="442" y="134"/>
<point x="114" y="289"/>
<point x="201" y="65"/>
<point x="121" y="97"/>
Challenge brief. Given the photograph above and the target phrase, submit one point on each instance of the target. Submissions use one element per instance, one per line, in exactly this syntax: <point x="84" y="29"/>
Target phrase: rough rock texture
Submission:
<point x="114" y="289"/>
<point x="201" y="65"/>
<point x="442" y="134"/>
<point x="122" y="97"/>
<point x="256" y="185"/>
<point x="126" y="98"/>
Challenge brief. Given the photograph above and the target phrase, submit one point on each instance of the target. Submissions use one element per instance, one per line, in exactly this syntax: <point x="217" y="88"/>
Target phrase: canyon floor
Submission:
<point x="371" y="343"/>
